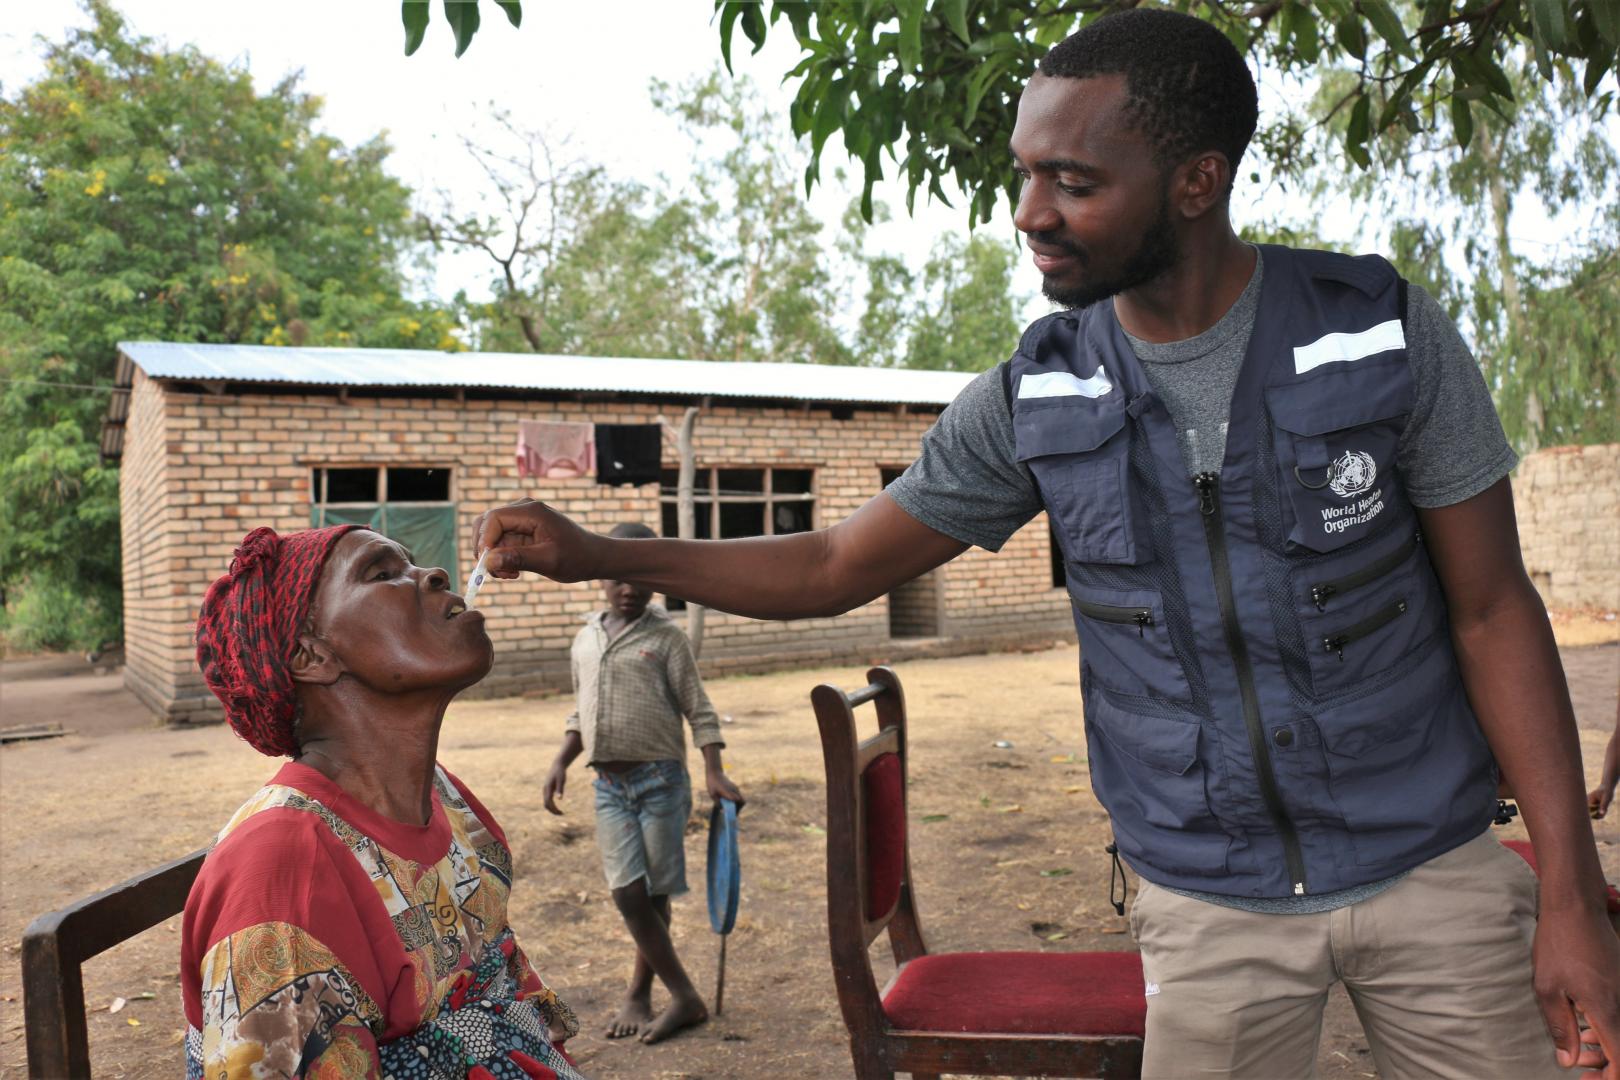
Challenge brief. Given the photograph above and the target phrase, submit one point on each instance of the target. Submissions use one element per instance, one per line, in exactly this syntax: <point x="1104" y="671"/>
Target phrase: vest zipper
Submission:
<point x="1209" y="505"/>
<point x="1321" y="593"/>
<point x="1335" y="643"/>
<point x="1141" y="616"/>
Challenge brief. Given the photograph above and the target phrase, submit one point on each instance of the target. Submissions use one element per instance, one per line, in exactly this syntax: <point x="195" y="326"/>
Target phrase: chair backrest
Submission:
<point x="868" y="862"/>
<point x="55" y="946"/>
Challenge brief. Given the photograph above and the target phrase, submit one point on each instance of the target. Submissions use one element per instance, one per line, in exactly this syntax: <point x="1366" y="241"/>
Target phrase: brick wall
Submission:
<point x="1568" y="503"/>
<point x="914" y="608"/>
<point x="200" y="470"/>
<point x="149" y="518"/>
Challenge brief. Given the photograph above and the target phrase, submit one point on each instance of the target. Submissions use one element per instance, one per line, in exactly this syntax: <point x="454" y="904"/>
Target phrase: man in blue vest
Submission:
<point x="1309" y="648"/>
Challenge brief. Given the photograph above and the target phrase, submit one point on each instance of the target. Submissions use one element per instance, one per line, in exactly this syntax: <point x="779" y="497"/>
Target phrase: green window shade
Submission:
<point x="369" y="516"/>
<point x="428" y="532"/>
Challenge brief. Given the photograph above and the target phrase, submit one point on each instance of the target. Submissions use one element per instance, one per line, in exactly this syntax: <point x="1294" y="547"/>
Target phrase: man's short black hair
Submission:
<point x="1186" y="85"/>
<point x="632" y="530"/>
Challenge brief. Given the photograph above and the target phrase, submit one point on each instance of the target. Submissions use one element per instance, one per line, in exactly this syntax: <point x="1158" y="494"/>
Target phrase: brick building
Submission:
<point x="216" y="439"/>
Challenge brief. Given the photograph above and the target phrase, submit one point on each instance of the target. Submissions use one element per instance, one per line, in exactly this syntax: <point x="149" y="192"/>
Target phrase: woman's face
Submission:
<point x="395" y="626"/>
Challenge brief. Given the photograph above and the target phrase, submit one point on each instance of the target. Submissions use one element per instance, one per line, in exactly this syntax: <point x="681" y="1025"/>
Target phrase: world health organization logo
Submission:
<point x="1353" y="473"/>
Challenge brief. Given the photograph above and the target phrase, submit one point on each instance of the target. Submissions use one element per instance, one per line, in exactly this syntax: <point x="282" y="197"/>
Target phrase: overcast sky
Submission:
<point x="570" y="71"/>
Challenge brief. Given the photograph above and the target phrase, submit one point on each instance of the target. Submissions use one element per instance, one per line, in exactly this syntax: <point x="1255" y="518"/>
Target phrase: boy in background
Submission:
<point x="634" y="679"/>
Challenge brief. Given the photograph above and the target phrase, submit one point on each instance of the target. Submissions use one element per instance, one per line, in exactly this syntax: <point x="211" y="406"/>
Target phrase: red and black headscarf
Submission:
<point x="247" y="631"/>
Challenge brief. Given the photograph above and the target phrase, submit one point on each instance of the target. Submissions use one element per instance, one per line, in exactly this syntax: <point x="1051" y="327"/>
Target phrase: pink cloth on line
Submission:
<point x="555" y="449"/>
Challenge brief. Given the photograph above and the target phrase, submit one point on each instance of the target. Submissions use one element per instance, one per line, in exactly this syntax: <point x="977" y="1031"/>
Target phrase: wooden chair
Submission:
<point x="56" y="945"/>
<point x="1006" y="1013"/>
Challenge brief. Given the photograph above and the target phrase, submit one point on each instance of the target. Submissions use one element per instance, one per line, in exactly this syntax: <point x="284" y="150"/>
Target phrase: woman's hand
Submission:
<point x="529" y="535"/>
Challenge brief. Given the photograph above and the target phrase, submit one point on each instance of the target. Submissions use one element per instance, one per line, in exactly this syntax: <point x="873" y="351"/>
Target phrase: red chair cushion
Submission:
<point x="1022" y="993"/>
<point x="884" y="797"/>
<point x="1523" y="850"/>
<point x="1528" y="853"/>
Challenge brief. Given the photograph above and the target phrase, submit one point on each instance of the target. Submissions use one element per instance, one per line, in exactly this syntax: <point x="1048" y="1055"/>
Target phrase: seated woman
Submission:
<point x="351" y="918"/>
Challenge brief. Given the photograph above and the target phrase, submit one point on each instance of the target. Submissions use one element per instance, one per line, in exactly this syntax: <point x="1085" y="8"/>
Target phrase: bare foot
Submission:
<point x="632" y="1016"/>
<point x="679" y="1014"/>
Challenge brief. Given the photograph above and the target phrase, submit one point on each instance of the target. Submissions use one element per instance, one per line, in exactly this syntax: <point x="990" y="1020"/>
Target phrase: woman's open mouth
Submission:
<point x="458" y="610"/>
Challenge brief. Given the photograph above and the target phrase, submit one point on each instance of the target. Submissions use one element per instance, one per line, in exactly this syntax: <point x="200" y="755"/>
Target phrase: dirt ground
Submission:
<point x="1007" y="850"/>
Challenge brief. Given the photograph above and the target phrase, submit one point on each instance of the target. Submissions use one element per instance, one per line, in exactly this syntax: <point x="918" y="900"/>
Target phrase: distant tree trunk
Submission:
<point x="1501" y="209"/>
<point x="686" y="517"/>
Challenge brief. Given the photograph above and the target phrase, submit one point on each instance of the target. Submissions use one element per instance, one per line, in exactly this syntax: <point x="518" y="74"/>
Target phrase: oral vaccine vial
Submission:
<point x="475" y="580"/>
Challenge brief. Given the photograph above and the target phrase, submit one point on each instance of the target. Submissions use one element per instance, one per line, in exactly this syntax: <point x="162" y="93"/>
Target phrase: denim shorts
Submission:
<point x="641" y="818"/>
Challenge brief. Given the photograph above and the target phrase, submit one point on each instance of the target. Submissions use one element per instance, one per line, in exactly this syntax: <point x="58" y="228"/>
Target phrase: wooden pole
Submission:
<point x="686" y="516"/>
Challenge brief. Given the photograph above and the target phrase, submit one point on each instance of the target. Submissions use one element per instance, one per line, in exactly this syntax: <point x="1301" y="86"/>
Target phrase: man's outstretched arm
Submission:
<point x="1516" y="685"/>
<point x="797" y="576"/>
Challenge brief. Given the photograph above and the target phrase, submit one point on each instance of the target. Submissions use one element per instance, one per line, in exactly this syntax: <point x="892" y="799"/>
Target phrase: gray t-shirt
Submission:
<point x="968" y="484"/>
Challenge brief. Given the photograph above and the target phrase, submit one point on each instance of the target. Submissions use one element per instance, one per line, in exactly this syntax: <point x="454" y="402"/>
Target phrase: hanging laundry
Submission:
<point x="629" y="453"/>
<point x="555" y="449"/>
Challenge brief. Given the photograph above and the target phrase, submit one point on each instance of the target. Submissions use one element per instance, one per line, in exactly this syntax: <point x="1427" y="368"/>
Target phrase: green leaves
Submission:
<point x="829" y="115"/>
<point x="1352" y="35"/>
<point x="937" y="79"/>
<point x="1355" y="135"/>
<point x="1606" y="17"/>
<point x="415" y="15"/>
<point x="911" y="15"/>
<point x="1299" y="30"/>
<point x="462" y="15"/>
<point x="1387" y="25"/>
<point x="1462" y="121"/>
<point x="1551" y="23"/>
<point x="753" y="24"/>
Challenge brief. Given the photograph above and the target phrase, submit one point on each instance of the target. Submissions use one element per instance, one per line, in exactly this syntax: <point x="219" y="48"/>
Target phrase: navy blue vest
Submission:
<point x="1272" y="704"/>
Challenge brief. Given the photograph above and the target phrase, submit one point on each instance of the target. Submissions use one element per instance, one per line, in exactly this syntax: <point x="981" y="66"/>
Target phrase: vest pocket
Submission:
<point x="1407" y="764"/>
<point x="1148" y="775"/>
<point x="1355" y="632"/>
<point x="1079" y="450"/>
<point x="1336" y="436"/>
<point x="1126" y="643"/>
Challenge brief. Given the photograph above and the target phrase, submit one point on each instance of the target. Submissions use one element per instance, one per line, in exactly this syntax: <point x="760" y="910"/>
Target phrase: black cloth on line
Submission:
<point x="629" y="453"/>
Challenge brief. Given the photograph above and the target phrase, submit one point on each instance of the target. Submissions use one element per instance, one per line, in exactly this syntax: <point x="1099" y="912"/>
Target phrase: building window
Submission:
<point x="733" y="503"/>
<point x="410" y="505"/>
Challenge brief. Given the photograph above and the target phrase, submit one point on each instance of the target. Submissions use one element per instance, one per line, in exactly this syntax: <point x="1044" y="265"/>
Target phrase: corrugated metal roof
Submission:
<point x="381" y="368"/>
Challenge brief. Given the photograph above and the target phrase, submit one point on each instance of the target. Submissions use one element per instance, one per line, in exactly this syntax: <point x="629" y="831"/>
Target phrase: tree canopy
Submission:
<point x="730" y="265"/>
<point x="933" y="84"/>
<point x="149" y="193"/>
<point x="1536" y="312"/>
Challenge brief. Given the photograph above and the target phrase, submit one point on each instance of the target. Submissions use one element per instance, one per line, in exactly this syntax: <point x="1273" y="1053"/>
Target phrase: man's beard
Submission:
<point x="1155" y="253"/>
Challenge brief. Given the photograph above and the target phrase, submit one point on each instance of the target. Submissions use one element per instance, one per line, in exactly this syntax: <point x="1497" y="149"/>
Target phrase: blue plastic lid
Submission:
<point x="725" y="874"/>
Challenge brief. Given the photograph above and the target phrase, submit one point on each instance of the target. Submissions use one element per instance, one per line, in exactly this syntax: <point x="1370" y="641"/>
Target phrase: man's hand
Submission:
<point x="721" y="787"/>
<point x="1577" y="970"/>
<point x="1600" y="798"/>
<point x="529" y="535"/>
<point x="556" y="781"/>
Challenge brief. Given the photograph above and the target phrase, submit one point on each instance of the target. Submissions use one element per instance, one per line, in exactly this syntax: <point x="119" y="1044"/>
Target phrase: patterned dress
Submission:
<point x="323" y="939"/>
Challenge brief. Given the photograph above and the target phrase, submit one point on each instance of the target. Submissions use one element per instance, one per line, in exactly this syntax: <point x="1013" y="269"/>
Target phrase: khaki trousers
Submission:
<point x="1438" y="967"/>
